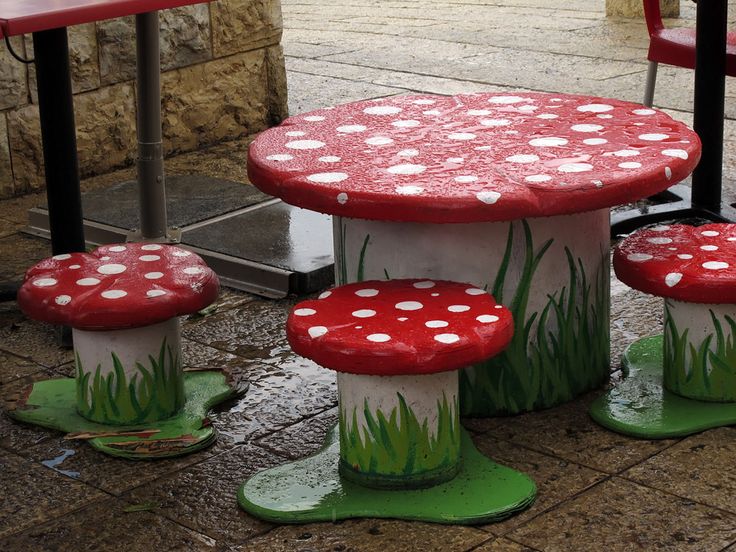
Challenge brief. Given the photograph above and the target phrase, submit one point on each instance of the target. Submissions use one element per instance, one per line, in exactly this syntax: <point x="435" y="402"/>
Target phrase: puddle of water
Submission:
<point x="55" y="462"/>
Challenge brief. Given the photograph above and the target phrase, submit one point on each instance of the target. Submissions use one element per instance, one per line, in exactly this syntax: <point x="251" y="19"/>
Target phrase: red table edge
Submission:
<point x="65" y="16"/>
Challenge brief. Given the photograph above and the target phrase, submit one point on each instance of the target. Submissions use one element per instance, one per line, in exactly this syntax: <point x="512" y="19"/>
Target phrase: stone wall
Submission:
<point x="223" y="77"/>
<point x="634" y="8"/>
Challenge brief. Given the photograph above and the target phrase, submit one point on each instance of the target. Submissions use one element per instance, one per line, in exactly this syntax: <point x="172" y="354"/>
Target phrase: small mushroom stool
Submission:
<point x="684" y="381"/>
<point x="130" y="396"/>
<point x="397" y="346"/>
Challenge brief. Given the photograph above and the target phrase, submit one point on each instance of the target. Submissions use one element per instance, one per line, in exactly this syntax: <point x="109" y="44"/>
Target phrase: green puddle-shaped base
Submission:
<point x="641" y="407"/>
<point x="311" y="489"/>
<point x="52" y="404"/>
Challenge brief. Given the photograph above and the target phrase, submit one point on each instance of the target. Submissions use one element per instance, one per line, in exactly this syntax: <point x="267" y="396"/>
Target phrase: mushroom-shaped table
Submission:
<point x="130" y="395"/>
<point x="684" y="381"/>
<point x="510" y="192"/>
<point x="397" y="346"/>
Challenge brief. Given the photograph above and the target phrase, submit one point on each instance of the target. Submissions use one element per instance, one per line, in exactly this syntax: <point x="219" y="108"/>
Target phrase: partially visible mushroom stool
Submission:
<point x="399" y="451"/>
<point x="684" y="381"/>
<point x="130" y="396"/>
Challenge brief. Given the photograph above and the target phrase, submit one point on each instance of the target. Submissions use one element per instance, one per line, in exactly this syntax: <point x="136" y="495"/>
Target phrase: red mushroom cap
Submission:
<point x="118" y="286"/>
<point x="688" y="263"/>
<point x="472" y="158"/>
<point x="400" y="327"/>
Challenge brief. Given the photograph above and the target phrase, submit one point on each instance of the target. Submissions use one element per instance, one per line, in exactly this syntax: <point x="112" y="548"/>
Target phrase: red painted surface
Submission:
<point x="470" y="158"/>
<point x="28" y="16"/>
<point x="676" y="45"/>
<point x="688" y="263"/>
<point x="118" y="286"/>
<point x="400" y="327"/>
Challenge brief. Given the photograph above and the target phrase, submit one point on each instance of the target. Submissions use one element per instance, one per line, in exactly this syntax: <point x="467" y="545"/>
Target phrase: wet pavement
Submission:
<point x="597" y="490"/>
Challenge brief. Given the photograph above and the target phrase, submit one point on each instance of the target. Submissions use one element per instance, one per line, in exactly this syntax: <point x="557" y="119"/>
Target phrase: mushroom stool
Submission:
<point x="684" y="381"/>
<point x="130" y="396"/>
<point x="399" y="450"/>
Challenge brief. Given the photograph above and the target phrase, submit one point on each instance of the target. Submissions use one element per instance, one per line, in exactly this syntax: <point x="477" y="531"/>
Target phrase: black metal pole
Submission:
<point x="151" y="185"/>
<point x="51" y="53"/>
<point x="708" y="109"/>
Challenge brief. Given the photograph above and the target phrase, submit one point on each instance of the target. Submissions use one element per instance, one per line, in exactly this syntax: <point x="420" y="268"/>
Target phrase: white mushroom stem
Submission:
<point x="368" y="403"/>
<point x="699" y="343"/>
<point x="129" y="376"/>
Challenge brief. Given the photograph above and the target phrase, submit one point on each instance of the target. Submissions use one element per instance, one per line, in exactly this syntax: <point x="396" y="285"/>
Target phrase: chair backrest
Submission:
<point x="653" y="16"/>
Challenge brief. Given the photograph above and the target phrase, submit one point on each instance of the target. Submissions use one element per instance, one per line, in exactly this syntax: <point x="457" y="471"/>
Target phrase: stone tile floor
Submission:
<point x="597" y="490"/>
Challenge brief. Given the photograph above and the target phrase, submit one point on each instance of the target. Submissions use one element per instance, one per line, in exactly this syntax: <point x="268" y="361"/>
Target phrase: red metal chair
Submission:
<point x="675" y="46"/>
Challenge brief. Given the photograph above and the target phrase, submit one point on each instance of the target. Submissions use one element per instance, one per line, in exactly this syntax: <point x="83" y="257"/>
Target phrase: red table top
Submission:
<point x="28" y="16"/>
<point x="472" y="158"/>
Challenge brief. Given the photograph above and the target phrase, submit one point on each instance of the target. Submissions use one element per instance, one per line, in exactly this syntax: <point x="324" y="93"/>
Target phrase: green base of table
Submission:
<point x="640" y="406"/>
<point x="311" y="490"/>
<point x="52" y="404"/>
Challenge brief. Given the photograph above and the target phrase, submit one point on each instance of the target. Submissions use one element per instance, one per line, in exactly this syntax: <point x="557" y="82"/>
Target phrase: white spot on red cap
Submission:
<point x="644" y="112"/>
<point x="487" y="318"/>
<point x="586" y="128"/>
<point x="653" y="137"/>
<point x="424" y="284"/>
<point x="379" y="141"/>
<point x="342" y="198"/>
<point x="488" y="197"/>
<point x="155" y="293"/>
<point x="447" y="338"/>
<point x="62" y="257"/>
<point x="153" y="275"/>
<point x="191" y="270"/>
<point x="63" y="300"/>
<point x="349" y="129"/>
<point x="409" y="190"/>
<point x="328" y="177"/>
<point x="364" y="313"/>
<point x="575" y="167"/>
<point x="659" y="241"/>
<point x="88" y="282"/>
<point x="305" y="144"/>
<point x="114" y="293"/>
<point x="379" y="338"/>
<point x="710" y="233"/>
<point x="329" y="159"/>
<point x="595" y="141"/>
<point x="458" y="308"/>
<point x="505" y="100"/>
<point x="280" y="157"/>
<point x="149" y="258"/>
<point x="495" y="122"/>
<point x="366" y="292"/>
<point x="45" y="282"/>
<point x="382" y="110"/>
<point x="408" y="153"/>
<point x="151" y="247"/>
<point x="407" y="123"/>
<point x="407" y="168"/>
<point x="117" y="248"/>
<point x="461" y="136"/>
<point x="685" y="256"/>
<point x="466" y="179"/>
<point x="436" y="324"/>
<point x="324" y="295"/>
<point x="181" y="253"/>
<point x="522" y="158"/>
<point x="595" y="108"/>
<point x="316" y="331"/>
<point x="538" y="178"/>
<point x="296" y="133"/>
<point x="475" y="291"/>
<point x="630" y="165"/>
<point x="550" y="141"/>
<point x="680" y="153"/>
<point x="409" y="305"/>
<point x="668" y="173"/>
<point x="715" y="265"/>
<point x="304" y="312"/>
<point x="111" y="269"/>
<point x="672" y="279"/>
<point x="709" y="247"/>
<point x="639" y="257"/>
<point x="314" y="118"/>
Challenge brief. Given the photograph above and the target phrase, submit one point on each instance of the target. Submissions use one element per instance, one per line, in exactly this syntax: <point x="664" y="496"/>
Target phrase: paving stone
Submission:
<point x="303" y="438"/>
<point x="501" y="544"/>
<point x="557" y="480"/>
<point x="107" y="526"/>
<point x="618" y="515"/>
<point x="367" y="535"/>
<point x="33" y="494"/>
<point x="76" y="459"/>
<point x="203" y="497"/>
<point x="30" y="339"/>
<point x="18" y="253"/>
<point x="569" y="433"/>
<point x="13" y="367"/>
<point x="698" y="468"/>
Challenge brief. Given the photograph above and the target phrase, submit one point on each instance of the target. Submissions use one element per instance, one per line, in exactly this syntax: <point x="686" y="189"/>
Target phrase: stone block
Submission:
<point x="634" y="8"/>
<point x="211" y="102"/>
<point x="85" y="69"/>
<point x="106" y="136"/>
<point x="278" y="107"/>
<point x="184" y="40"/>
<point x="13" y="88"/>
<point x="7" y="187"/>
<point x="242" y="25"/>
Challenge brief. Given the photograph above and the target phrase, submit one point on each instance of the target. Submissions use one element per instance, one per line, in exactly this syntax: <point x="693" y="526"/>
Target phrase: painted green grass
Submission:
<point x="400" y="444"/>
<point x="152" y="394"/>
<point x="569" y="353"/>
<point x="700" y="372"/>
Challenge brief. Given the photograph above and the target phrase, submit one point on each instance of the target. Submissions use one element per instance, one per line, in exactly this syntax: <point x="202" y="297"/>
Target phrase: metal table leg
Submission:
<point x="51" y="52"/>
